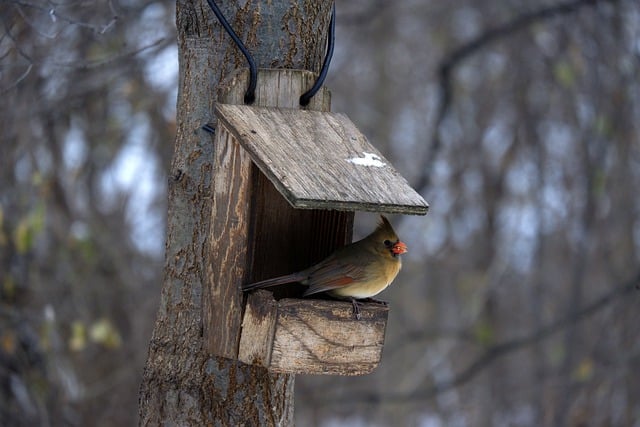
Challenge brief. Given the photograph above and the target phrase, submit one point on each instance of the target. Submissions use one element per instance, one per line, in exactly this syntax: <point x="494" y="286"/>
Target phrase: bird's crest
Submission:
<point x="385" y="225"/>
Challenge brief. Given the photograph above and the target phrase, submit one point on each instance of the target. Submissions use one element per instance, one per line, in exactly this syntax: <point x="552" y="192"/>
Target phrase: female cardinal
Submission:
<point x="359" y="270"/>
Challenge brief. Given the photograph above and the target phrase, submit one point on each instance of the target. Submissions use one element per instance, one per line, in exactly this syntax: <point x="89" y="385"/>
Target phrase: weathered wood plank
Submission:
<point x="323" y="337"/>
<point x="320" y="160"/>
<point x="311" y="336"/>
<point x="276" y="88"/>
<point x="258" y="329"/>
<point x="226" y="268"/>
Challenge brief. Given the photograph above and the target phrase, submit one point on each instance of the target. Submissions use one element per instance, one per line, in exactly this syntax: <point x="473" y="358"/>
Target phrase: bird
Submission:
<point x="357" y="271"/>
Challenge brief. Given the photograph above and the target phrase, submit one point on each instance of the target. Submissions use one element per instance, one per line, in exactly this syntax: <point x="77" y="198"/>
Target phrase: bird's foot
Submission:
<point x="376" y="301"/>
<point x="356" y="309"/>
<point x="356" y="306"/>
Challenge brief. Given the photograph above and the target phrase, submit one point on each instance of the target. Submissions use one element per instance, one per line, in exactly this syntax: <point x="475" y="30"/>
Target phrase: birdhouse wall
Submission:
<point x="255" y="233"/>
<point x="228" y="249"/>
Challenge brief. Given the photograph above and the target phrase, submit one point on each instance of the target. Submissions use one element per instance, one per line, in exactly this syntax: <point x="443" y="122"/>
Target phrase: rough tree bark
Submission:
<point x="181" y="384"/>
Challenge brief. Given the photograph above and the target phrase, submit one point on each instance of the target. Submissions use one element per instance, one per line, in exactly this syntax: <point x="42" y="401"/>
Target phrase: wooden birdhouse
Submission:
<point x="286" y="184"/>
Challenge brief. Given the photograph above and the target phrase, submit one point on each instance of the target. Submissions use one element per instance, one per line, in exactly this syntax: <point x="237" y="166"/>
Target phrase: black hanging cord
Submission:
<point x="209" y="128"/>
<point x="250" y="94"/>
<point x="306" y="97"/>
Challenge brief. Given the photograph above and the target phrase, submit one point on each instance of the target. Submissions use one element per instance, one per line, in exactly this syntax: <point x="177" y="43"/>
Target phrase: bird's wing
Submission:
<point x="289" y="278"/>
<point x="333" y="275"/>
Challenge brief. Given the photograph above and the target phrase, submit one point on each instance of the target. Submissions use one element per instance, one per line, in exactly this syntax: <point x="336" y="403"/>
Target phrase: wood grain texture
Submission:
<point x="276" y="88"/>
<point x="306" y="155"/>
<point x="312" y="336"/>
<point x="284" y="88"/>
<point x="229" y="230"/>
<point x="258" y="329"/>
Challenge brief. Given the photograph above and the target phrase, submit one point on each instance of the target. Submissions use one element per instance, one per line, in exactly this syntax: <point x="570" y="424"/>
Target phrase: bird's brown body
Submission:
<point x="359" y="270"/>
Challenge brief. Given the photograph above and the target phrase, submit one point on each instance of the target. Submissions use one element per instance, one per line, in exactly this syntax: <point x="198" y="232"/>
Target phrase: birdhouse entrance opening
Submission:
<point x="284" y="239"/>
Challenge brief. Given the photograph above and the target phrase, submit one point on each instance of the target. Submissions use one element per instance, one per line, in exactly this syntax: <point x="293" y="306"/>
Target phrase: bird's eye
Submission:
<point x="387" y="243"/>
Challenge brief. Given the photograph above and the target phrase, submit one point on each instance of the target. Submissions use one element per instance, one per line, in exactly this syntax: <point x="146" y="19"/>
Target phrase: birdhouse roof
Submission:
<point x="319" y="160"/>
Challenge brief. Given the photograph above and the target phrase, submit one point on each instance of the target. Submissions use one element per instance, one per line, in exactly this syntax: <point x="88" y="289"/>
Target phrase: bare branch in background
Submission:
<point x="454" y="58"/>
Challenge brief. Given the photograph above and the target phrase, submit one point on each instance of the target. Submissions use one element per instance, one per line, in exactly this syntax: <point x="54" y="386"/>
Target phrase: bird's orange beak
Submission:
<point x="399" y="248"/>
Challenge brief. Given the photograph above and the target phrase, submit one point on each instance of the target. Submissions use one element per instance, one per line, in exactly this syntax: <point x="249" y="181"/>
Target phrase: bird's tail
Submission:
<point x="289" y="278"/>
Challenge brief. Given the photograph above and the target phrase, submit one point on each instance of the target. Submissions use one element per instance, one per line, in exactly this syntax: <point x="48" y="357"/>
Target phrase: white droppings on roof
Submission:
<point x="369" y="159"/>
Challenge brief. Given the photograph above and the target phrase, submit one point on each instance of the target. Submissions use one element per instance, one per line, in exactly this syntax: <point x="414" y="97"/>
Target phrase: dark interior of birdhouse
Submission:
<point x="285" y="239"/>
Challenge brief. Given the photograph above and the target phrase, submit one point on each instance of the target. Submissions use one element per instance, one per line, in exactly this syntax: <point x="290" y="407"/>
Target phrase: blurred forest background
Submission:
<point x="517" y="120"/>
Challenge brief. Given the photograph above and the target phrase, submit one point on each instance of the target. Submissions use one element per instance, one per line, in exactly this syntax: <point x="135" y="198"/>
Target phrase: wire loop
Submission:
<point x="306" y="97"/>
<point x="250" y="94"/>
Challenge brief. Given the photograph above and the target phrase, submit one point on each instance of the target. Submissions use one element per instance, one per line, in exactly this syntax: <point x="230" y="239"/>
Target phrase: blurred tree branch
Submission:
<point x="459" y="54"/>
<point x="78" y="288"/>
<point x="364" y="15"/>
<point x="54" y="14"/>
<point x="498" y="350"/>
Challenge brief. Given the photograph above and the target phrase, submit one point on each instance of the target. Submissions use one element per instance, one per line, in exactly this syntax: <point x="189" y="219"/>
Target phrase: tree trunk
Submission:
<point x="182" y="384"/>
